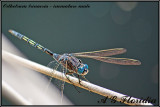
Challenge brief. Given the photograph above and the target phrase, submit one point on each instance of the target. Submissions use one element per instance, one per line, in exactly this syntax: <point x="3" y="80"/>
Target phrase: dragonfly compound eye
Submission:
<point x="80" y="70"/>
<point x="85" y="66"/>
<point x="85" y="72"/>
<point x="84" y="69"/>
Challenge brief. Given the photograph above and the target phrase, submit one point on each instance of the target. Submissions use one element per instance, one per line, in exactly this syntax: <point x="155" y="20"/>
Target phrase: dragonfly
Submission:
<point x="73" y="64"/>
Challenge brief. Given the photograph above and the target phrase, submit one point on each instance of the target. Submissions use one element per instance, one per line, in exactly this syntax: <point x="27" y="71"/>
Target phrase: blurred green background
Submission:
<point x="105" y="25"/>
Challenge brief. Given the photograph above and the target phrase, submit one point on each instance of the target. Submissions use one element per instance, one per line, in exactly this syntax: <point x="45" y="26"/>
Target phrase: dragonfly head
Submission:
<point x="83" y="69"/>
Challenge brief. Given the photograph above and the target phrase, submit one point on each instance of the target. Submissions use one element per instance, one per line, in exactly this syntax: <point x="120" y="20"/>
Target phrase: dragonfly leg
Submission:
<point x="68" y="78"/>
<point x="79" y="79"/>
<point x="71" y="81"/>
<point x="62" y="87"/>
<point x="74" y="75"/>
<point x="69" y="73"/>
<point x="55" y="68"/>
<point x="84" y="78"/>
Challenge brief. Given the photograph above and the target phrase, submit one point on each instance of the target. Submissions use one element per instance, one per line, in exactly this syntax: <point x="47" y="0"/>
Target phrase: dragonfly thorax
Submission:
<point x="73" y="64"/>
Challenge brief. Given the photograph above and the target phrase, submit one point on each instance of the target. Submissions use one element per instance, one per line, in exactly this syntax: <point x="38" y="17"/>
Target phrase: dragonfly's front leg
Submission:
<point x="79" y="79"/>
<point x="84" y="78"/>
<point x="68" y="73"/>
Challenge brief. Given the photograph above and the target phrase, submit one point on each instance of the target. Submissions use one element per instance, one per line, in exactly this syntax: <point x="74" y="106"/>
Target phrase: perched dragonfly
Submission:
<point x="75" y="65"/>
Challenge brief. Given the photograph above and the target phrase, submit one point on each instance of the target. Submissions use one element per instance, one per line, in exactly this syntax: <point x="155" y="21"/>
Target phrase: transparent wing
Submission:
<point x="108" y="52"/>
<point x="120" y="61"/>
<point x="53" y="65"/>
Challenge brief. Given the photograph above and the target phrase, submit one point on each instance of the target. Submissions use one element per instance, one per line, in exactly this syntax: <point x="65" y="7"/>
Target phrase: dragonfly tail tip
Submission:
<point x="10" y="30"/>
<point x="138" y="62"/>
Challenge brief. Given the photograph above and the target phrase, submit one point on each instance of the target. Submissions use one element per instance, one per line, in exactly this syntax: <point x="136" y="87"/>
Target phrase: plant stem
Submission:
<point x="59" y="75"/>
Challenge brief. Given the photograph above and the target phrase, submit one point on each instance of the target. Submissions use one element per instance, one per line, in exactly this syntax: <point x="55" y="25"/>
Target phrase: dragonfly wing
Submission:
<point x="108" y="52"/>
<point x="120" y="61"/>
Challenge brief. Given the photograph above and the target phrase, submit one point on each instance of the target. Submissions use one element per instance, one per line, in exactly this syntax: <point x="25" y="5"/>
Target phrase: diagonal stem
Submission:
<point x="59" y="75"/>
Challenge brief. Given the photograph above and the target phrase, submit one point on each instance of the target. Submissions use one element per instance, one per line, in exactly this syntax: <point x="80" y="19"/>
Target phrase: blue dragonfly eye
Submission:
<point x="85" y="66"/>
<point x="80" y="70"/>
<point x="83" y="69"/>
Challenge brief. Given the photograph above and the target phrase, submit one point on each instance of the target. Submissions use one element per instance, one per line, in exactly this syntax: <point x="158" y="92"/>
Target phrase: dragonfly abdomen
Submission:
<point x="31" y="42"/>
